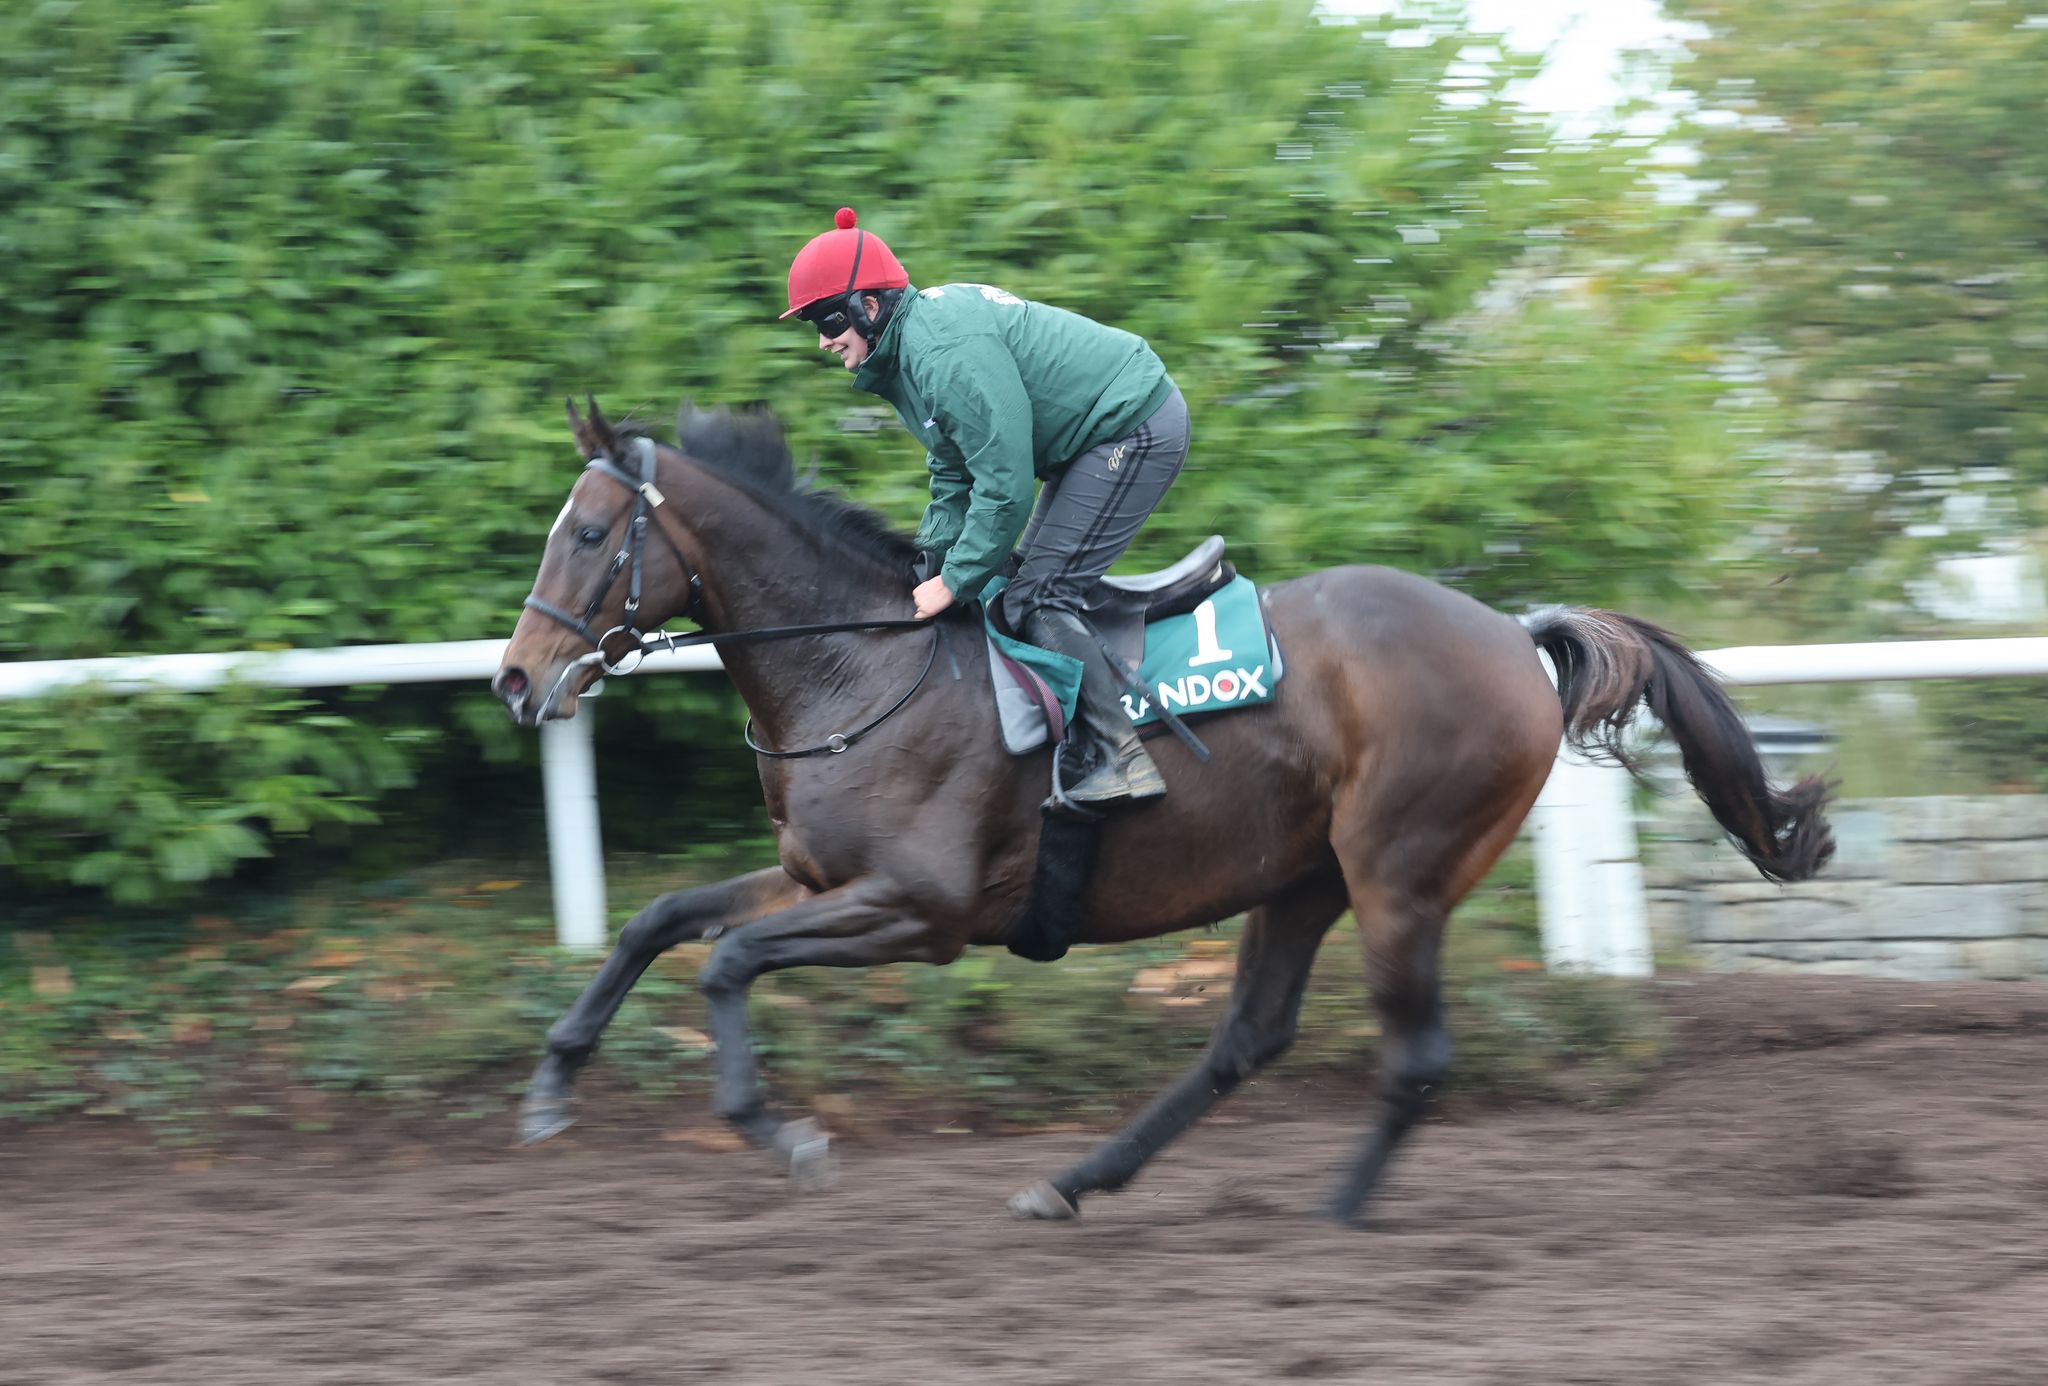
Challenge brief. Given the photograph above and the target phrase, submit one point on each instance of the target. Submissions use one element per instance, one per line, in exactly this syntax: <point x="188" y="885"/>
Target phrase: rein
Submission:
<point x="648" y="500"/>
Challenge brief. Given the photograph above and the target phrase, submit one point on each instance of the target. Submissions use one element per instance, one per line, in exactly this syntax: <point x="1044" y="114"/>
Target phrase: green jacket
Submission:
<point x="1002" y="391"/>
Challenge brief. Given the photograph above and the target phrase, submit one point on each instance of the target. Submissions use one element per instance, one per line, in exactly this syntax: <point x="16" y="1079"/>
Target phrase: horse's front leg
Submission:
<point x="671" y="919"/>
<point x="862" y="924"/>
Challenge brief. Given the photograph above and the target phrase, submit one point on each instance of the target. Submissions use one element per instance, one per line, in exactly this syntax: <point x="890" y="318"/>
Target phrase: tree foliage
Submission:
<point x="1886" y="165"/>
<point x="290" y="293"/>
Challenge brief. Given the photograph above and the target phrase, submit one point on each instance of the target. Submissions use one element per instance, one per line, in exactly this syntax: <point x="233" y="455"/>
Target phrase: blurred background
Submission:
<point x="1727" y="313"/>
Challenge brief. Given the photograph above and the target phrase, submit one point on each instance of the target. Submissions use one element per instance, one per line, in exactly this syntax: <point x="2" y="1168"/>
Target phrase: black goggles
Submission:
<point x="829" y="317"/>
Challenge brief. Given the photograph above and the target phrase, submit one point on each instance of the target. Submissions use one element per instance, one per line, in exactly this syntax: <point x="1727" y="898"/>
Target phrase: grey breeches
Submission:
<point x="1087" y="516"/>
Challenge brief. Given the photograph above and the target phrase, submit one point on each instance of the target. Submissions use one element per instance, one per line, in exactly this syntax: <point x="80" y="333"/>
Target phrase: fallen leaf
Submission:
<point x="51" y="981"/>
<point x="714" y="1140"/>
<point x="306" y="986"/>
<point x="341" y="956"/>
<point x="276" y="1020"/>
<point x="191" y="1029"/>
<point x="835" y="1106"/>
<point x="205" y="952"/>
<point x="499" y="885"/>
<point x="1193" y="980"/>
<point x="1520" y="965"/>
<point x="688" y="1038"/>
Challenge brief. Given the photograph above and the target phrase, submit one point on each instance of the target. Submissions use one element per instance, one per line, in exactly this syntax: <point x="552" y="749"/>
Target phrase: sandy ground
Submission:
<point x="1833" y="1181"/>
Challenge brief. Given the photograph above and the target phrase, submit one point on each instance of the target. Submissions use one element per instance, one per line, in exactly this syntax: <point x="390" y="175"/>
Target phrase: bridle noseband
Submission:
<point x="630" y="559"/>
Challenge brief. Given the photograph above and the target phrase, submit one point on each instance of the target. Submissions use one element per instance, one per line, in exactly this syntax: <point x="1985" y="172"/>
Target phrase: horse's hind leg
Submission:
<point x="1273" y="962"/>
<point x="1403" y="944"/>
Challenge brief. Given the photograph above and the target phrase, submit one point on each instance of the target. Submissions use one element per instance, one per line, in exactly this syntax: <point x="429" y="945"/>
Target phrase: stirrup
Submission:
<point x="1058" y="802"/>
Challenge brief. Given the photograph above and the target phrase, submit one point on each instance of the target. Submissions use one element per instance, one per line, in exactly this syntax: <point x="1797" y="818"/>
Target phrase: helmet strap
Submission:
<point x="855" y="309"/>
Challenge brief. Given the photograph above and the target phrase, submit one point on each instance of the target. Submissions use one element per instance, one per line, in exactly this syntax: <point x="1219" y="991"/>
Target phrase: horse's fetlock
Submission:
<point x="570" y="1043"/>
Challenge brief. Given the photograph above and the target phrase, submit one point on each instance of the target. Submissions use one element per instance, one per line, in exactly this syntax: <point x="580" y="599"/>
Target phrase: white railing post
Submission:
<point x="1589" y="885"/>
<point x="575" y="848"/>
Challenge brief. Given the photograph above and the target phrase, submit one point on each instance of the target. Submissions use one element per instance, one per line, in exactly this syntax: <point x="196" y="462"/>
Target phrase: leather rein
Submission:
<point x="648" y="502"/>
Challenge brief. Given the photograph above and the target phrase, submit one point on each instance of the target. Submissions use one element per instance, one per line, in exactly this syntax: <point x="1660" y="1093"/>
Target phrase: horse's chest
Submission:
<point x="820" y="838"/>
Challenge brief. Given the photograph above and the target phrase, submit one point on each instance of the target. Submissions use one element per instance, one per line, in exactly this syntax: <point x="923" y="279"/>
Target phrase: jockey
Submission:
<point x="1004" y="393"/>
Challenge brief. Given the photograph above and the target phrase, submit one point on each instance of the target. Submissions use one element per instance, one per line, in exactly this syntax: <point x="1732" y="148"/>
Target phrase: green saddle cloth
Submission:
<point x="1216" y="657"/>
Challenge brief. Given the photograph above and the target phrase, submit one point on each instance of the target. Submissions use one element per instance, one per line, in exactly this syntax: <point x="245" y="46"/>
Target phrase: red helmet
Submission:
<point x="839" y="262"/>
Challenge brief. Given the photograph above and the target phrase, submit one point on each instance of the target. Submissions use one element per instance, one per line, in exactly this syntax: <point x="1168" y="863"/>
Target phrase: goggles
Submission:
<point x="828" y="316"/>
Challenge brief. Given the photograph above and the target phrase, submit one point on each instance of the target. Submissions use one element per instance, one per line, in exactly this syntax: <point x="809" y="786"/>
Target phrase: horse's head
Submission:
<point x="604" y="577"/>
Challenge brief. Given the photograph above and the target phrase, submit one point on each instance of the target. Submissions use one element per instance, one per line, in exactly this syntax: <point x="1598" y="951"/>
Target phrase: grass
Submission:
<point x="428" y="998"/>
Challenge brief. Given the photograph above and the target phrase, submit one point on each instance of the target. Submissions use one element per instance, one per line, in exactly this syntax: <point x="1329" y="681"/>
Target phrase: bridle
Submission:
<point x="632" y="553"/>
<point x="631" y="558"/>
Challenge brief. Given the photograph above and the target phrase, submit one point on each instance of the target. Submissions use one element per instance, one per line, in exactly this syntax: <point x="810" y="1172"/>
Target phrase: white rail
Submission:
<point x="568" y="762"/>
<point x="1589" y="884"/>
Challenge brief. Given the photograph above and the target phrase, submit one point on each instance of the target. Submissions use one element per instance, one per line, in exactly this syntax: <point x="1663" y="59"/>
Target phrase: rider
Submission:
<point x="1001" y="391"/>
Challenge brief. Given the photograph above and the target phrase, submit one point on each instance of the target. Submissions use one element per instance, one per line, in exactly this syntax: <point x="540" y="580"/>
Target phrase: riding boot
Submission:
<point x="1112" y="762"/>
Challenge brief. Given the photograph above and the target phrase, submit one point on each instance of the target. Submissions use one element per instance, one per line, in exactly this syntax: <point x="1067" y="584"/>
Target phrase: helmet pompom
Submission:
<point x="844" y="219"/>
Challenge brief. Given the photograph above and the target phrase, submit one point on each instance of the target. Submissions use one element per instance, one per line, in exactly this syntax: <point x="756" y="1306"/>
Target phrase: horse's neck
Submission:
<point x="761" y="571"/>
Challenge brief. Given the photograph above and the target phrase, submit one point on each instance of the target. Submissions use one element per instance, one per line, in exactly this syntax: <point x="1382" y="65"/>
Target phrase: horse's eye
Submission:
<point x="590" y="536"/>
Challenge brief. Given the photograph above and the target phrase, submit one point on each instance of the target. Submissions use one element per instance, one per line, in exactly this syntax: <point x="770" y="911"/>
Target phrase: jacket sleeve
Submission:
<point x="984" y="410"/>
<point x="946" y="514"/>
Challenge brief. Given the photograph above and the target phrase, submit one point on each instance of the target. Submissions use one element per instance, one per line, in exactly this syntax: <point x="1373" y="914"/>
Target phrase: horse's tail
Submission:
<point x="1607" y="664"/>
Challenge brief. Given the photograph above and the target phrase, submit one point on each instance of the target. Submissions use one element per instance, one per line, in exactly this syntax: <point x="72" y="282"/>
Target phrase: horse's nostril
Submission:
<point x="510" y="684"/>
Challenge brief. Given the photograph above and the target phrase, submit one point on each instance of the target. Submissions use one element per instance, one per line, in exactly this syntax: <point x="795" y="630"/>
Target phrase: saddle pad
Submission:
<point x="1218" y="656"/>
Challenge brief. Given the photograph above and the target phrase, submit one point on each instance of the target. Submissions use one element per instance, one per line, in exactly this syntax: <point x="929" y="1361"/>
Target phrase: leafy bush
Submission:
<point x="290" y="293"/>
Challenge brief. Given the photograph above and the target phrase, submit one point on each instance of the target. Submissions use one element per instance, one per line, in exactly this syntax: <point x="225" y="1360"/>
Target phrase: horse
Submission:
<point x="1405" y="743"/>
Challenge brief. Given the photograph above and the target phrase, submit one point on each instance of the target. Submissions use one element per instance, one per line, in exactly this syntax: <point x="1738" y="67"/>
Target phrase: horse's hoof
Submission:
<point x="1044" y="1203"/>
<point x="542" y="1117"/>
<point x="808" y="1148"/>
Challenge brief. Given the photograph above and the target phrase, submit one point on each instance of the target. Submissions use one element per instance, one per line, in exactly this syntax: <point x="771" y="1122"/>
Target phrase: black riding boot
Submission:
<point x="1107" y="762"/>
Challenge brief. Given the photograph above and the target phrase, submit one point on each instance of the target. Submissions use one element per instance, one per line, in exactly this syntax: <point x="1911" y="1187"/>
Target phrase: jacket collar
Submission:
<point x="875" y="373"/>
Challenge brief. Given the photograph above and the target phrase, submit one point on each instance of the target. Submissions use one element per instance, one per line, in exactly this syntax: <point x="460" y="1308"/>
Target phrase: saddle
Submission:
<point x="1121" y="607"/>
<point x="1152" y="623"/>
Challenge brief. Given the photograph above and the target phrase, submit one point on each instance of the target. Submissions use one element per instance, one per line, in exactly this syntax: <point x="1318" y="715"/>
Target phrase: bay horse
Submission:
<point x="1408" y="738"/>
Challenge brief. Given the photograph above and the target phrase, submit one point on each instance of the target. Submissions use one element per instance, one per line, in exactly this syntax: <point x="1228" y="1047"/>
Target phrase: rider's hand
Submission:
<point x="931" y="597"/>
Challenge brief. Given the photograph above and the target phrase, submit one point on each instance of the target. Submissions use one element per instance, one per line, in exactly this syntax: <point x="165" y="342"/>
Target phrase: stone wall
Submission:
<point x="1937" y="888"/>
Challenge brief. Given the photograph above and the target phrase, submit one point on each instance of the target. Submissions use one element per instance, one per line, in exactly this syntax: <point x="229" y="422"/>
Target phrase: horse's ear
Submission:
<point x="593" y="434"/>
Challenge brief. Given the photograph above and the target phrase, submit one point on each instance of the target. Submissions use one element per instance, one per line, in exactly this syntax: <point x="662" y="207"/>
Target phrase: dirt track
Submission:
<point x="1835" y="1182"/>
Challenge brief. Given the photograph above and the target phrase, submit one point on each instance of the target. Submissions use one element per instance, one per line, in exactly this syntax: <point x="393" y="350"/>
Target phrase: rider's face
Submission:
<point x="849" y="346"/>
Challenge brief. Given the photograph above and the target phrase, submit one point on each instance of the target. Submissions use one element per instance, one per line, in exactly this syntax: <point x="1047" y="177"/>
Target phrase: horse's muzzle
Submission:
<point x="516" y="689"/>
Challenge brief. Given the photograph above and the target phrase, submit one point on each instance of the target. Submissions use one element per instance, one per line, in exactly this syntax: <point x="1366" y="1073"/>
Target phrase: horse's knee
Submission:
<point x="656" y="927"/>
<point x="725" y="973"/>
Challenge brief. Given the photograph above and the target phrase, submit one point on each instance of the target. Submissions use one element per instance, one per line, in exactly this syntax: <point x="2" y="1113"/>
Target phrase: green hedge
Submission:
<point x="290" y="294"/>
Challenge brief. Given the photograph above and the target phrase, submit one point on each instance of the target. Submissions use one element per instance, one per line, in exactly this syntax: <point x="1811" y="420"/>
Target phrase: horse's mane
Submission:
<point x="746" y="446"/>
